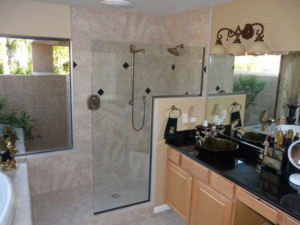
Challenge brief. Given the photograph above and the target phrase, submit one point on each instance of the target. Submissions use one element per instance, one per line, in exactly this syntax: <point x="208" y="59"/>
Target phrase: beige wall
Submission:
<point x="29" y="18"/>
<point x="162" y="108"/>
<point x="280" y="19"/>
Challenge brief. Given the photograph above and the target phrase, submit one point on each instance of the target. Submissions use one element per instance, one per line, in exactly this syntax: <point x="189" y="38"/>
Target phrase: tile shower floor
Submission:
<point x="129" y="191"/>
<point x="75" y="207"/>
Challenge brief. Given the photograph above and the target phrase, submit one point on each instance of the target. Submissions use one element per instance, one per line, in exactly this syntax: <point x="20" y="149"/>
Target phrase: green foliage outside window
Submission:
<point x="61" y="59"/>
<point x="251" y="86"/>
<point x="21" y="120"/>
<point x="15" y="56"/>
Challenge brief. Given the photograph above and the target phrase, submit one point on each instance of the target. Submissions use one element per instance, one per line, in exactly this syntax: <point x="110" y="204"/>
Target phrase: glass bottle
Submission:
<point x="271" y="140"/>
<point x="296" y="138"/>
<point x="280" y="138"/>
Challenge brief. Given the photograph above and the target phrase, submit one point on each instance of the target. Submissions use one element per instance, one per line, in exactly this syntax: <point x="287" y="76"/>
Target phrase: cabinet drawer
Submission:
<point x="174" y="155"/>
<point x="221" y="185"/>
<point x="195" y="168"/>
<point x="290" y="221"/>
<point x="258" y="206"/>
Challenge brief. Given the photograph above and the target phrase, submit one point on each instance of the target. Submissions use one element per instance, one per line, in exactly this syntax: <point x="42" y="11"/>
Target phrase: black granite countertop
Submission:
<point x="266" y="184"/>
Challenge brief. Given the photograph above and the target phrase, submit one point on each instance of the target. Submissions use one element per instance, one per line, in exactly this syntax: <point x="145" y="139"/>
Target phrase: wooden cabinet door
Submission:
<point x="209" y="207"/>
<point x="178" y="190"/>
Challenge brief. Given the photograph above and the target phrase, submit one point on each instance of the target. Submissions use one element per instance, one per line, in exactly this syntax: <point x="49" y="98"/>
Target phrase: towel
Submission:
<point x="171" y="128"/>
<point x="235" y="116"/>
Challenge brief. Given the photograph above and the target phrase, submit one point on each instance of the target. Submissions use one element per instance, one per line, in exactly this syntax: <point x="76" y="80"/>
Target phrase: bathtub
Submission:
<point x="7" y="200"/>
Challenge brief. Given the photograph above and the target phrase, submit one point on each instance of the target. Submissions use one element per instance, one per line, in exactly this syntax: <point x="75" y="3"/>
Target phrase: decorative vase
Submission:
<point x="291" y="117"/>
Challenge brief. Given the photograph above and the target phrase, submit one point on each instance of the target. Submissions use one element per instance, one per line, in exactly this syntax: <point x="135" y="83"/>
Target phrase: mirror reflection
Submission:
<point x="295" y="154"/>
<point x="270" y="82"/>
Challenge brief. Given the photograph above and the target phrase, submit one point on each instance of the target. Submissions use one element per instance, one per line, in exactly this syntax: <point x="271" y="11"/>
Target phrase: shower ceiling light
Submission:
<point x="116" y="4"/>
<point x="257" y="48"/>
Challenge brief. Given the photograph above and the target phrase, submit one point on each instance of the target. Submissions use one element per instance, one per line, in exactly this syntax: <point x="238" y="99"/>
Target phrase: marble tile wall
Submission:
<point x="53" y="172"/>
<point x="192" y="29"/>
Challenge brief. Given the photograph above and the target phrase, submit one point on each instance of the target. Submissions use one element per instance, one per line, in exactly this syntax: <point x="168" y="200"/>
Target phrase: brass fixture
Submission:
<point x="174" y="51"/>
<point x="7" y="158"/>
<point x="131" y="101"/>
<point x="257" y="48"/>
<point x="132" y="50"/>
<point x="174" y="108"/>
<point x="263" y="121"/>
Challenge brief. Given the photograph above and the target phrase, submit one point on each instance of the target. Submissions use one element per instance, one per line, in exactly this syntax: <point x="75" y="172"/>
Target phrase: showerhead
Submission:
<point x="174" y="51"/>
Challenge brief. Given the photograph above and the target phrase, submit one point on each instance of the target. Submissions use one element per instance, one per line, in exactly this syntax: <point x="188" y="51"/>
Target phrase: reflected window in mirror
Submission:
<point x="256" y="76"/>
<point x="35" y="93"/>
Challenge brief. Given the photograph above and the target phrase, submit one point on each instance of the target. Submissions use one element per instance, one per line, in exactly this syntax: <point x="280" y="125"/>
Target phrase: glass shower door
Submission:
<point x="121" y="155"/>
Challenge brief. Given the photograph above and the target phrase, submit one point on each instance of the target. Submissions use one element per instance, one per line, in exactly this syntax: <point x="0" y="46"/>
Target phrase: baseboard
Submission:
<point x="161" y="208"/>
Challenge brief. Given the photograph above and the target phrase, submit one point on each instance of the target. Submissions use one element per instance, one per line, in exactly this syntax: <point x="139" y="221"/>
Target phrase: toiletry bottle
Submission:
<point x="279" y="139"/>
<point x="284" y="142"/>
<point x="296" y="138"/>
<point x="271" y="140"/>
<point x="282" y="120"/>
<point x="290" y="135"/>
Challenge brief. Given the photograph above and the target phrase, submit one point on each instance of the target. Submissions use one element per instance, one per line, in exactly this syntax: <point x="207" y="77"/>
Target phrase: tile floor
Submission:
<point x="75" y="207"/>
<point x="130" y="191"/>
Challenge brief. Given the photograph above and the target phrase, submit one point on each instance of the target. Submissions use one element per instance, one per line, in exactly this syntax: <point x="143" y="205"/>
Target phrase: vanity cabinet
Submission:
<point x="209" y="206"/>
<point x="178" y="190"/>
<point x="200" y="197"/>
<point x="194" y="192"/>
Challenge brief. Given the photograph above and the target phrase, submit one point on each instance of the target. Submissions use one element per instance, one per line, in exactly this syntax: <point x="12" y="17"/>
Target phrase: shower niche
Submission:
<point x="122" y="154"/>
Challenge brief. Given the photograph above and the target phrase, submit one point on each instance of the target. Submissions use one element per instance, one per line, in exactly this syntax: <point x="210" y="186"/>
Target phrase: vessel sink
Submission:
<point x="217" y="145"/>
<point x="252" y="137"/>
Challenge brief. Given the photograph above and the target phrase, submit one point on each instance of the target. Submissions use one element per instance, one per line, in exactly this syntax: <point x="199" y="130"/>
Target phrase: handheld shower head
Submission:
<point x="174" y="51"/>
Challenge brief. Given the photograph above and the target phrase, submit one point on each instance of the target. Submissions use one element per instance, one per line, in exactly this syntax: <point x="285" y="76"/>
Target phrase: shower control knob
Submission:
<point x="93" y="102"/>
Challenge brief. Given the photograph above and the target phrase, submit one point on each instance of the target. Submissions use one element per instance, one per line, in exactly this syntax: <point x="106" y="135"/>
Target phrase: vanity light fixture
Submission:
<point x="257" y="48"/>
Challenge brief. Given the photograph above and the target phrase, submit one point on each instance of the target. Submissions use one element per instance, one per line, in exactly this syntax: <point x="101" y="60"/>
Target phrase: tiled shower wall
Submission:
<point x="63" y="170"/>
<point x="114" y="139"/>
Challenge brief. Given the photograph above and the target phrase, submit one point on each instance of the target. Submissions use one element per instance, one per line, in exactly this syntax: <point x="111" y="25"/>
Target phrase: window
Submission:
<point x="257" y="76"/>
<point x="35" y="93"/>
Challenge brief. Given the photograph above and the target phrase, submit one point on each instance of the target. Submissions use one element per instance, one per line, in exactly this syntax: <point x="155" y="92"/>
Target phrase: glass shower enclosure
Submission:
<point x="121" y="154"/>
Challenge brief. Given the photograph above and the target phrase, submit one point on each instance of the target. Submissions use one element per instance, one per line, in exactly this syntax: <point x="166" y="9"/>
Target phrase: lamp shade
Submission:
<point x="217" y="109"/>
<point x="236" y="49"/>
<point x="258" y="48"/>
<point x="218" y="49"/>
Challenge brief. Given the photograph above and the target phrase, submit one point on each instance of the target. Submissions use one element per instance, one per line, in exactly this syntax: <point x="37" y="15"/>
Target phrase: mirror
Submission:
<point x="267" y="84"/>
<point x="294" y="154"/>
<point x="294" y="157"/>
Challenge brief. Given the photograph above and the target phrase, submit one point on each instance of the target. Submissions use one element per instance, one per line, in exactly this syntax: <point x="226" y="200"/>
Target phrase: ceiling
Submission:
<point x="150" y="7"/>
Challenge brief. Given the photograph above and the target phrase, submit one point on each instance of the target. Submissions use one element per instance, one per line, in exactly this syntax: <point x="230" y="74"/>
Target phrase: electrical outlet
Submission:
<point x="184" y="118"/>
<point x="193" y="119"/>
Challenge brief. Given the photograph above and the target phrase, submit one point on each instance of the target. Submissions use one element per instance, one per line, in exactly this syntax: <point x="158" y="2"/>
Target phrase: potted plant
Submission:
<point x="13" y="120"/>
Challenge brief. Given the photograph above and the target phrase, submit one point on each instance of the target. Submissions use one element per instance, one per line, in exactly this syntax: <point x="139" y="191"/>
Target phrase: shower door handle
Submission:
<point x="93" y="102"/>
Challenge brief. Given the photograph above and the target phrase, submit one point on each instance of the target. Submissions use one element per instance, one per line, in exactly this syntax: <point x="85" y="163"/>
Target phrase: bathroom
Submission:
<point x="83" y="25"/>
